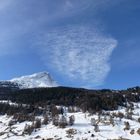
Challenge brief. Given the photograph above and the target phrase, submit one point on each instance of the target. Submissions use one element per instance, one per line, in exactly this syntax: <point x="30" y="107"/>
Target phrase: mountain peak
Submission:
<point x="40" y="79"/>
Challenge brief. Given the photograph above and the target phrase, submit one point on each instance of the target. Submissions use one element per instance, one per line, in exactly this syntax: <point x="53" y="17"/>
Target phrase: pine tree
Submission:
<point x="63" y="122"/>
<point x="71" y="120"/>
<point x="127" y="126"/>
<point x="56" y="120"/>
<point x="46" y="120"/>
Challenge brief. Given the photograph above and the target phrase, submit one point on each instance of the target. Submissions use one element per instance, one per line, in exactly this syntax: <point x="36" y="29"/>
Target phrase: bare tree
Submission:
<point x="96" y="128"/>
<point x="93" y="122"/>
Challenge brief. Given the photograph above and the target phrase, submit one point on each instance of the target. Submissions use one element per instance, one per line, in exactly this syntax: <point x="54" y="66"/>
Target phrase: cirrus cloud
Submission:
<point x="78" y="52"/>
<point x="81" y="53"/>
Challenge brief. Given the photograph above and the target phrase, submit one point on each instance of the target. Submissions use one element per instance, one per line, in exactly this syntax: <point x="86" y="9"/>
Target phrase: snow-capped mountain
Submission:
<point x="41" y="79"/>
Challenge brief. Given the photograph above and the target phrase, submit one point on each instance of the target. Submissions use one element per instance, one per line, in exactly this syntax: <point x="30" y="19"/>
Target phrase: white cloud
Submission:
<point x="79" y="52"/>
<point x="25" y="18"/>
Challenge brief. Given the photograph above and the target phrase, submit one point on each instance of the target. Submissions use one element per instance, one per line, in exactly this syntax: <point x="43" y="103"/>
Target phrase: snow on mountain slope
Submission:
<point x="41" y="79"/>
<point x="83" y="130"/>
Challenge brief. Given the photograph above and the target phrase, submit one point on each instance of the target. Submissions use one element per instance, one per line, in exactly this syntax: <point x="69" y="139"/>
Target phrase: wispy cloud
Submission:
<point x="81" y="53"/>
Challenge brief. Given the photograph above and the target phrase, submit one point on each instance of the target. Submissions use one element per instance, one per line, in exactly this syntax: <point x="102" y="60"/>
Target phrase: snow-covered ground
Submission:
<point x="83" y="130"/>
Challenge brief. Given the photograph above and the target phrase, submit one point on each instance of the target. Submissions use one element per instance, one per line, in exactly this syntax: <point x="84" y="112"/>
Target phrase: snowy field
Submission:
<point x="81" y="130"/>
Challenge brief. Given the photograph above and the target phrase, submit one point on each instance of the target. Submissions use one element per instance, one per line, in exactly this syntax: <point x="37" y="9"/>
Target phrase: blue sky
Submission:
<point x="92" y="43"/>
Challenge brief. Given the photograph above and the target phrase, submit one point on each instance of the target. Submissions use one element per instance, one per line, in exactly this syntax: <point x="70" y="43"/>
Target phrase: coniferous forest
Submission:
<point x="87" y="100"/>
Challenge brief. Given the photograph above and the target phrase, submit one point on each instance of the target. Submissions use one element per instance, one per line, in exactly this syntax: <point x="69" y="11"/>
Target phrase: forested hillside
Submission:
<point x="91" y="100"/>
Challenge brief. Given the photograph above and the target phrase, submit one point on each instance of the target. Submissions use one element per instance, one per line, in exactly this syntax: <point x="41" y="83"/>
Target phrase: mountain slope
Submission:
<point x="41" y="79"/>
